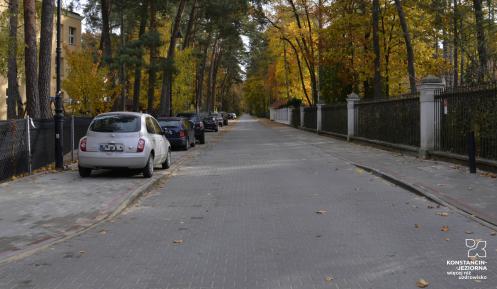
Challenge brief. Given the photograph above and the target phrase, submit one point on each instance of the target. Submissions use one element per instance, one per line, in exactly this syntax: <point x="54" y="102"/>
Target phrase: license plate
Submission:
<point x="111" y="147"/>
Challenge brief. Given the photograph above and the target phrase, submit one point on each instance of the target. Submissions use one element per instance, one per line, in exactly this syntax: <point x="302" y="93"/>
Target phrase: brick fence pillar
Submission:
<point x="351" y="101"/>
<point x="429" y="85"/>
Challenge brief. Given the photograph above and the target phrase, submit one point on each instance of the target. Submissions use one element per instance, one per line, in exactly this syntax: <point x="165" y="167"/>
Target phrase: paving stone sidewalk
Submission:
<point x="37" y="210"/>
<point x="452" y="184"/>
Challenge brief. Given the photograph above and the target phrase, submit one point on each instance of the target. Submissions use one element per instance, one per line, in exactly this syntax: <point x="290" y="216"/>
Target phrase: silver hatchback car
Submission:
<point x="124" y="140"/>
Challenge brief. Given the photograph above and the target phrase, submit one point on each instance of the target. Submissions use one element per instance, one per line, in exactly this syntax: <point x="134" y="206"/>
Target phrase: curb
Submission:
<point x="124" y="204"/>
<point x="420" y="190"/>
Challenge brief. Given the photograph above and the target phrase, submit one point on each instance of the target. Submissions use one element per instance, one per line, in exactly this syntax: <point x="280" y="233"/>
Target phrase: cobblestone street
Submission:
<point x="265" y="208"/>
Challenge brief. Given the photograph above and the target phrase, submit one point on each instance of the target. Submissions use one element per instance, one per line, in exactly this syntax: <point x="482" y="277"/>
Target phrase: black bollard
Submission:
<point x="472" y="152"/>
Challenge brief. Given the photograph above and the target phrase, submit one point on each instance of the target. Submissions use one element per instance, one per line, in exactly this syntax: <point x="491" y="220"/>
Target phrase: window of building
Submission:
<point x="72" y="36"/>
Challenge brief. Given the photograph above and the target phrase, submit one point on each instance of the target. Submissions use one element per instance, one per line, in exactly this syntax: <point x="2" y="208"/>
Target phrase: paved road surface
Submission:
<point x="245" y="212"/>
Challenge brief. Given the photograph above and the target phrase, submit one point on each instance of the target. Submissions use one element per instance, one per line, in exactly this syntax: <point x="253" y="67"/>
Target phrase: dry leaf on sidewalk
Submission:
<point x="445" y="229"/>
<point x="493" y="233"/>
<point x="328" y="279"/>
<point x="321" y="212"/>
<point x="443" y="214"/>
<point x="416" y="226"/>
<point x="469" y="232"/>
<point x="178" y="242"/>
<point x="422" y="283"/>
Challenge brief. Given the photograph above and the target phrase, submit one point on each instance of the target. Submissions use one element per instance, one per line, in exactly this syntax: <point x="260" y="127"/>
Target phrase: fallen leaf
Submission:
<point x="472" y="258"/>
<point x="444" y="229"/>
<point x="468" y="232"/>
<point x="422" y="283"/>
<point x="178" y="242"/>
<point x="443" y="214"/>
<point x="493" y="233"/>
<point x="359" y="171"/>
<point x="328" y="278"/>
<point x="82" y="252"/>
<point x="321" y="212"/>
<point x="416" y="226"/>
<point x="430" y="207"/>
<point x="446" y="239"/>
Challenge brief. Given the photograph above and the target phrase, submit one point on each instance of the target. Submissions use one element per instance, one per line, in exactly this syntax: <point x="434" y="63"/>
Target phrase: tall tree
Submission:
<point x="13" y="110"/>
<point x="45" y="69"/>
<point x="376" y="48"/>
<point x="410" y="53"/>
<point x="481" y="40"/>
<point x="139" y="65"/>
<point x="152" y="70"/>
<point x="167" y="78"/>
<point x="30" y="62"/>
<point x="105" y="42"/>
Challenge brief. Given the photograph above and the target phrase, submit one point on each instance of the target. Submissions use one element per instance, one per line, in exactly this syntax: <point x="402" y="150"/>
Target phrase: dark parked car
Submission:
<point x="218" y="117"/>
<point x="210" y="123"/>
<point x="225" y="117"/>
<point x="178" y="131"/>
<point x="231" y="115"/>
<point x="197" y="123"/>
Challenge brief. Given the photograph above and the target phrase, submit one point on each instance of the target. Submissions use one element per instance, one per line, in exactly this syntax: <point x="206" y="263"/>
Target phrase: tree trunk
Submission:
<point x="152" y="71"/>
<point x="410" y="54"/>
<point x="105" y="42"/>
<point x="138" y="68"/>
<point x="481" y="40"/>
<point x="189" y="27"/>
<point x="376" y="48"/>
<point x="456" y="43"/>
<point x="122" y="66"/>
<point x="167" y="78"/>
<point x="45" y="68"/>
<point x="200" y="78"/>
<point x="13" y="89"/>
<point x="301" y="74"/>
<point x="31" y="67"/>
<point x="210" y="78"/>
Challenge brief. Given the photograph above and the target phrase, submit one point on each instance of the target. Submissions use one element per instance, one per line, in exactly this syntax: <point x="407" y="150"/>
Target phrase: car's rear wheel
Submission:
<point x="84" y="172"/>
<point x="193" y="142"/>
<point x="202" y="139"/>
<point x="167" y="163"/>
<point x="148" y="170"/>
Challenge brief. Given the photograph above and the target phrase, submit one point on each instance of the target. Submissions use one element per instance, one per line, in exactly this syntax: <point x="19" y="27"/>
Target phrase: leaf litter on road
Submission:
<point x="444" y="228"/>
<point x="422" y="283"/>
<point x="321" y="212"/>
<point x="443" y="214"/>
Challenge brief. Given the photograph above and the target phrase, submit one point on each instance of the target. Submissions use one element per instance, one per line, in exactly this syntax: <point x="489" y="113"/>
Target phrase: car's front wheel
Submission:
<point x="187" y="144"/>
<point x="84" y="172"/>
<point x="148" y="170"/>
<point x="167" y="163"/>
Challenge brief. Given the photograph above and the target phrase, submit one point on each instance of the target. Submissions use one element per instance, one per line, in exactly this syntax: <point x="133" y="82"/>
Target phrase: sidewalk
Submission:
<point x="446" y="183"/>
<point x="38" y="210"/>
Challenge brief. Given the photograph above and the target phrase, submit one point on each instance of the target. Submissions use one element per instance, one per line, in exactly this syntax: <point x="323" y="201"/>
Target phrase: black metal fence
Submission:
<point x="334" y="118"/>
<point x="393" y="120"/>
<point x="15" y="158"/>
<point x="310" y="117"/>
<point x="459" y="111"/>
<point x="296" y="117"/>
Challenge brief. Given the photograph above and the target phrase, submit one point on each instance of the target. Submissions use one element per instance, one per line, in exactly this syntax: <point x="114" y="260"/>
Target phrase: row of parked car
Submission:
<point x="141" y="142"/>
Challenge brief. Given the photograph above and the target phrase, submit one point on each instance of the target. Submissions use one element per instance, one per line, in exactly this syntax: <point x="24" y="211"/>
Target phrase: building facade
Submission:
<point x="71" y="40"/>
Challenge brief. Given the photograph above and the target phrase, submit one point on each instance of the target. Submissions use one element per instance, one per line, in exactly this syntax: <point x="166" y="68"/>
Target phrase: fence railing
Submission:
<point x="459" y="111"/>
<point x="310" y="117"/>
<point x="27" y="144"/>
<point x="395" y="121"/>
<point x="296" y="117"/>
<point x="334" y="118"/>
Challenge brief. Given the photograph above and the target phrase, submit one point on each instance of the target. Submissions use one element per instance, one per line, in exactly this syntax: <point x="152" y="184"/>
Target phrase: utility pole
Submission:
<point x="59" y="105"/>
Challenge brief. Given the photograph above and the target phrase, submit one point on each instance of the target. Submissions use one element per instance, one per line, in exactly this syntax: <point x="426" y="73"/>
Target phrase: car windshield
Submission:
<point x="169" y="123"/>
<point x="116" y="123"/>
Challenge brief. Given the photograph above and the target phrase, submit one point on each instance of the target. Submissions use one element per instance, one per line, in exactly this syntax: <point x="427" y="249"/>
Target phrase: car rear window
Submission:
<point x="169" y="123"/>
<point x="116" y="123"/>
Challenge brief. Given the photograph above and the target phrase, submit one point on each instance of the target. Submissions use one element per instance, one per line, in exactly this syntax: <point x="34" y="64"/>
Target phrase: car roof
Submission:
<point x="170" y="118"/>
<point x="137" y="114"/>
